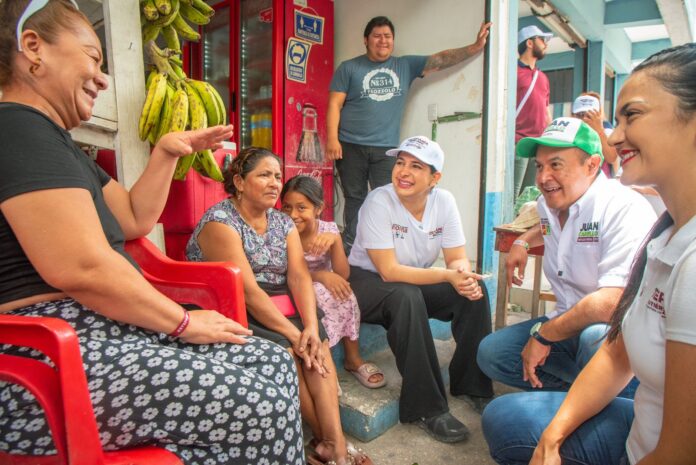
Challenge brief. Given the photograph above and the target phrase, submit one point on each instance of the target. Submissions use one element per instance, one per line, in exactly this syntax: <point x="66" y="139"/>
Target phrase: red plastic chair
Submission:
<point x="62" y="391"/>
<point x="212" y="285"/>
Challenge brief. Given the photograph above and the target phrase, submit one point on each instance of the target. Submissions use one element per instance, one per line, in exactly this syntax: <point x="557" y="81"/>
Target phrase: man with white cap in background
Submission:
<point x="533" y="97"/>
<point x="402" y="229"/>
<point x="590" y="227"/>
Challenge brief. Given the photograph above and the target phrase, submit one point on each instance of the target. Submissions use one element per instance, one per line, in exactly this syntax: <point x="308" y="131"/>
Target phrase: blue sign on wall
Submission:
<point x="309" y="27"/>
<point x="296" y="57"/>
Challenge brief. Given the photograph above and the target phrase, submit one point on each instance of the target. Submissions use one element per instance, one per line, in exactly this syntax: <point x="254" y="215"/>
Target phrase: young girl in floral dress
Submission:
<point x="302" y="199"/>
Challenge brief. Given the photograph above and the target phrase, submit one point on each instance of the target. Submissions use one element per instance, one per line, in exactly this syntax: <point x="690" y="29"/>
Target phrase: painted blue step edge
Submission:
<point x="373" y="339"/>
<point x="369" y="427"/>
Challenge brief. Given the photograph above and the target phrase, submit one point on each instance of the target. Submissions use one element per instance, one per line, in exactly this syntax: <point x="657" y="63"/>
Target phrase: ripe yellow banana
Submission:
<point x="210" y="166"/>
<point x="153" y="104"/>
<point x="203" y="7"/>
<point x="165" y="119"/>
<point x="149" y="10"/>
<point x="171" y="38"/>
<point x="184" y="29"/>
<point x="205" y="91"/>
<point x="150" y="76"/>
<point x="183" y="165"/>
<point x="198" y="118"/>
<point x="193" y="15"/>
<point x="164" y="6"/>
<point x="180" y="111"/>
<point x="159" y="82"/>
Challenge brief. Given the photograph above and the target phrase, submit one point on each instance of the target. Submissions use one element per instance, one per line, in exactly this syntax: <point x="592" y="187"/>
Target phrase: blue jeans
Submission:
<point x="512" y="425"/>
<point x="499" y="357"/>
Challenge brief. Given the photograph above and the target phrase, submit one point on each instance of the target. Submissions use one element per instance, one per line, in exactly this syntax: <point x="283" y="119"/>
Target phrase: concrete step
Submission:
<point x="368" y="413"/>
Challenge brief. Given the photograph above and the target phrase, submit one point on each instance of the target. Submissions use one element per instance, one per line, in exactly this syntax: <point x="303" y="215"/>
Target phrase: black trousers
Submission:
<point x="403" y="310"/>
<point x="360" y="164"/>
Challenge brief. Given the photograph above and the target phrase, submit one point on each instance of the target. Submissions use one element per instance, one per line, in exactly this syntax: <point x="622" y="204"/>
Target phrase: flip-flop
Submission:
<point x="357" y="455"/>
<point x="364" y="372"/>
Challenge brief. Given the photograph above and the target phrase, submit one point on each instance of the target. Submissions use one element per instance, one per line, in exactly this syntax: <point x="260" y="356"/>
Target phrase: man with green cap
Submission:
<point x="590" y="227"/>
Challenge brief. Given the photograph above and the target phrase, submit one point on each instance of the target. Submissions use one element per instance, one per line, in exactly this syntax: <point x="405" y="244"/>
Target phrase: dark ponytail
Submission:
<point x="675" y="70"/>
<point x="636" y="276"/>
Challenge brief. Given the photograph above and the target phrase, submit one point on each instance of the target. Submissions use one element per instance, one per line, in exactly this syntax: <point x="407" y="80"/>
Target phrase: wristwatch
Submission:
<point x="534" y="332"/>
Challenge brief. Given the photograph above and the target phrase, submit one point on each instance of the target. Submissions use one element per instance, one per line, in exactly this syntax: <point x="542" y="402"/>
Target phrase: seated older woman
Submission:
<point x="265" y="244"/>
<point x="187" y="381"/>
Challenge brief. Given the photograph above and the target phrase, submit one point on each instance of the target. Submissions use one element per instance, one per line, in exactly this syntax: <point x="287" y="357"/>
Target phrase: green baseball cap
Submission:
<point x="563" y="132"/>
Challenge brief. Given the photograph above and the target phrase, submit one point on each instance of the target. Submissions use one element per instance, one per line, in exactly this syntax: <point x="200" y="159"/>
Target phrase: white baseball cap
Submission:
<point x="422" y="148"/>
<point x="532" y="31"/>
<point x="585" y="103"/>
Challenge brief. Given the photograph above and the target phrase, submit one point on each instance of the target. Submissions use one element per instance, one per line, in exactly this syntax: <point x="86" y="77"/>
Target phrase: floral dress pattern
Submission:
<point x="210" y="404"/>
<point x="341" y="317"/>
<point x="267" y="253"/>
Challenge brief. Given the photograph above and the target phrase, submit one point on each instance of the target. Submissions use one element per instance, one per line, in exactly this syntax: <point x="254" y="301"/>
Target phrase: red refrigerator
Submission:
<point x="272" y="62"/>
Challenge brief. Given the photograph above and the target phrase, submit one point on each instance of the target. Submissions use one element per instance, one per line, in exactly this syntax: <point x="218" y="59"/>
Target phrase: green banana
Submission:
<point x="198" y="166"/>
<point x="203" y="7"/>
<point x="150" y="10"/>
<point x="171" y="38"/>
<point x="180" y="111"/>
<point x="206" y="91"/>
<point x="166" y="20"/>
<point x="150" y="32"/>
<point x="221" y="105"/>
<point x="178" y="72"/>
<point x="153" y="104"/>
<point x="210" y="166"/>
<point x="183" y="165"/>
<point x="198" y="117"/>
<point x="176" y="59"/>
<point x="193" y="15"/>
<point x="165" y="119"/>
<point x="164" y="6"/>
<point x="184" y="29"/>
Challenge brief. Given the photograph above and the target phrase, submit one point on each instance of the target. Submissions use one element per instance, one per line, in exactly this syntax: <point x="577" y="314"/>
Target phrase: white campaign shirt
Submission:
<point x="384" y="223"/>
<point x="665" y="309"/>
<point x="598" y="241"/>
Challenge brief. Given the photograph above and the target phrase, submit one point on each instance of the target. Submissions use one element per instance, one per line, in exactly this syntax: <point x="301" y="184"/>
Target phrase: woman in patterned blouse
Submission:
<point x="246" y="230"/>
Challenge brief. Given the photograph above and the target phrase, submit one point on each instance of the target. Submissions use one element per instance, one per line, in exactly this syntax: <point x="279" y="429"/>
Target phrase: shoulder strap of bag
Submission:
<point x="529" y="92"/>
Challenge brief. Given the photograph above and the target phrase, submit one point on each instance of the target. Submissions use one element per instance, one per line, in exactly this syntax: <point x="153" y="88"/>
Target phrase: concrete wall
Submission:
<point x="423" y="28"/>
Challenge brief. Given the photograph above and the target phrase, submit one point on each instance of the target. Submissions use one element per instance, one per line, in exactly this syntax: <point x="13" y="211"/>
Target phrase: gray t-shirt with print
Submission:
<point x="375" y="97"/>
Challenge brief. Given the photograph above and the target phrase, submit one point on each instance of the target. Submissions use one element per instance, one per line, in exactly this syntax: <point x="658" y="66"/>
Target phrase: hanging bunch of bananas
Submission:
<point x="176" y="103"/>
<point x="171" y="18"/>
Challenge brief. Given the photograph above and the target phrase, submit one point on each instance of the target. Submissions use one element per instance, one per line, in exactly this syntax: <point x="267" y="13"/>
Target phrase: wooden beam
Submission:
<point x="124" y="49"/>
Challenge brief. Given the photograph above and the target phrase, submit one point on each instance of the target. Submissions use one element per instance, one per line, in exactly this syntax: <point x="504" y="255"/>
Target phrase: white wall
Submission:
<point x="423" y="28"/>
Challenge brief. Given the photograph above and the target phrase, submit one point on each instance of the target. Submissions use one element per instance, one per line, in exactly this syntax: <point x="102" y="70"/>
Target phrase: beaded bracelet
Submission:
<point x="182" y="326"/>
<point x="522" y="243"/>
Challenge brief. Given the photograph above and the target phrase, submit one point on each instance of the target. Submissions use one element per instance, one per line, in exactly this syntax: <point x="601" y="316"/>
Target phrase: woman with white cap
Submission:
<point x="402" y="228"/>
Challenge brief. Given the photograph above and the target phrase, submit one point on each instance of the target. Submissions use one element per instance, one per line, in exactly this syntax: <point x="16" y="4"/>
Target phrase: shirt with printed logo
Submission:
<point x="595" y="247"/>
<point x="375" y="97"/>
<point x="384" y="223"/>
<point x="662" y="311"/>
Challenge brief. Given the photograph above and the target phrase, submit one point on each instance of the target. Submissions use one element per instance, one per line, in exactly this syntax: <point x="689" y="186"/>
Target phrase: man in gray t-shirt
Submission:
<point x="366" y="102"/>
